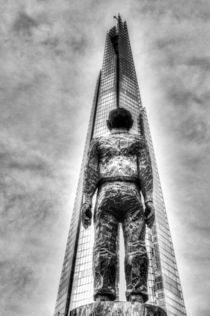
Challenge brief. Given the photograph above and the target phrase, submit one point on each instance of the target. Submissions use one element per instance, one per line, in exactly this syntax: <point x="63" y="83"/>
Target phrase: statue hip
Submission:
<point x="118" y="198"/>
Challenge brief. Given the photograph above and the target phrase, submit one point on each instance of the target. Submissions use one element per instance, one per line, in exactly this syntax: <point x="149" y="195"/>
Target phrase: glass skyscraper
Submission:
<point x="117" y="86"/>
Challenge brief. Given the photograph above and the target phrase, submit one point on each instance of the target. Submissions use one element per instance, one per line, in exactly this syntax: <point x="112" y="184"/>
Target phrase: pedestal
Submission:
<point x="118" y="309"/>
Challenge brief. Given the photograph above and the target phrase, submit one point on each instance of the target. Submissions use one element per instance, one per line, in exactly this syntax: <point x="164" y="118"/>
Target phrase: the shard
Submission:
<point x="117" y="86"/>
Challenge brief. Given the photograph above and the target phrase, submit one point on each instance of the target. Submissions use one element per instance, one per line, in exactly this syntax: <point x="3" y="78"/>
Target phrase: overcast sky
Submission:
<point x="50" y="56"/>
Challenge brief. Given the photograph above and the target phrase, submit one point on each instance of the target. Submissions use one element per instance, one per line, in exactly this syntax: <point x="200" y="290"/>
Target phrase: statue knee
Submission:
<point x="102" y="254"/>
<point x="135" y="259"/>
<point x="134" y="249"/>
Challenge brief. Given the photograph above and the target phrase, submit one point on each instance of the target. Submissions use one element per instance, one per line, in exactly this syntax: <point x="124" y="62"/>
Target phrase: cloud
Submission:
<point x="24" y="24"/>
<point x="193" y="10"/>
<point x="200" y="62"/>
<point x="30" y="210"/>
<point x="16" y="280"/>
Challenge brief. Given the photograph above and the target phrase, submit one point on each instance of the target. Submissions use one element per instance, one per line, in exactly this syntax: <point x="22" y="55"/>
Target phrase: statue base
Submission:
<point x="117" y="309"/>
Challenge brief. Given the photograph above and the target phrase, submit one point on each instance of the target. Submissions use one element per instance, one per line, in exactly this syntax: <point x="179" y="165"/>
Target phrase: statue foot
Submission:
<point x="136" y="298"/>
<point x="102" y="298"/>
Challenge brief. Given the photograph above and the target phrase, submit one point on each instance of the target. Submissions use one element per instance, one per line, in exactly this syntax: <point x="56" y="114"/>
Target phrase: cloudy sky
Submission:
<point x="50" y="55"/>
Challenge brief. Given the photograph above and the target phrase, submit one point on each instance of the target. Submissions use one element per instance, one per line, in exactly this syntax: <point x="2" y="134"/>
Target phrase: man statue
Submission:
<point x="119" y="168"/>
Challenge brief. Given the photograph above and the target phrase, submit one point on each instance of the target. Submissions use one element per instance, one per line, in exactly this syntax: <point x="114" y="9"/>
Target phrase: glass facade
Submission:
<point x="74" y="239"/>
<point x="118" y="86"/>
<point x="167" y="290"/>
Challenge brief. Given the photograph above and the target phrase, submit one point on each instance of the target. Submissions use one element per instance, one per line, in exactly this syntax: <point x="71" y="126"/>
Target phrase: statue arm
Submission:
<point x="91" y="173"/>
<point x="91" y="176"/>
<point x="145" y="174"/>
<point x="146" y="183"/>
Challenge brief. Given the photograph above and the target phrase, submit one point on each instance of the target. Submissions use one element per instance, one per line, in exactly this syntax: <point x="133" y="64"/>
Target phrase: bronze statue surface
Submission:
<point x="119" y="168"/>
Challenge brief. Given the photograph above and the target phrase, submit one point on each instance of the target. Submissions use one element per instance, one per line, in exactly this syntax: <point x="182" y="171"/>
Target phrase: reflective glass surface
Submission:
<point x="118" y="80"/>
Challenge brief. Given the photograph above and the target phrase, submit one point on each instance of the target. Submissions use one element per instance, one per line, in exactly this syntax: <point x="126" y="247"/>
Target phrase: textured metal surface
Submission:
<point x="118" y="309"/>
<point x="120" y="167"/>
<point x="120" y="202"/>
<point x="118" y="156"/>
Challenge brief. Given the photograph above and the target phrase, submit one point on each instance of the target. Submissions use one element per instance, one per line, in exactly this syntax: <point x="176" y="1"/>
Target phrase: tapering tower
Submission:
<point x="117" y="86"/>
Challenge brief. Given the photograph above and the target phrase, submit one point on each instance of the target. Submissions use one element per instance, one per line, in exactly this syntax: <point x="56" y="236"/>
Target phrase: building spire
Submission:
<point x="118" y="21"/>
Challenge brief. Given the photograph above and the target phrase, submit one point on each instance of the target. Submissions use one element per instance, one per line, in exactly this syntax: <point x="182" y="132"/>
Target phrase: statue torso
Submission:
<point x="118" y="156"/>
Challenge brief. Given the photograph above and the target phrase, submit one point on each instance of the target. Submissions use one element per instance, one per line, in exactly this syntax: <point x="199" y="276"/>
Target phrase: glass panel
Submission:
<point x="163" y="280"/>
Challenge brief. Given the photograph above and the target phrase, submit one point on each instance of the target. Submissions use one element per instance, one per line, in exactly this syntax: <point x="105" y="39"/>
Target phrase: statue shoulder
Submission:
<point x="93" y="147"/>
<point x="97" y="141"/>
<point x="139" y="140"/>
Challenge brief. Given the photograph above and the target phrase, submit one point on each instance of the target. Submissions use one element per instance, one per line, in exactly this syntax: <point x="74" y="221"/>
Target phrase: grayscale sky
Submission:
<point x="50" y="55"/>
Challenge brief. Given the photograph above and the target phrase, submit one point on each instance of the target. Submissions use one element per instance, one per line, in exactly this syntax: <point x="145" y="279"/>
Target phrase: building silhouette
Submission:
<point x="117" y="86"/>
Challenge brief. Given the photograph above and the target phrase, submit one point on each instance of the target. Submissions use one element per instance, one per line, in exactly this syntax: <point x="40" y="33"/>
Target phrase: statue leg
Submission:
<point x="105" y="256"/>
<point x="136" y="260"/>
